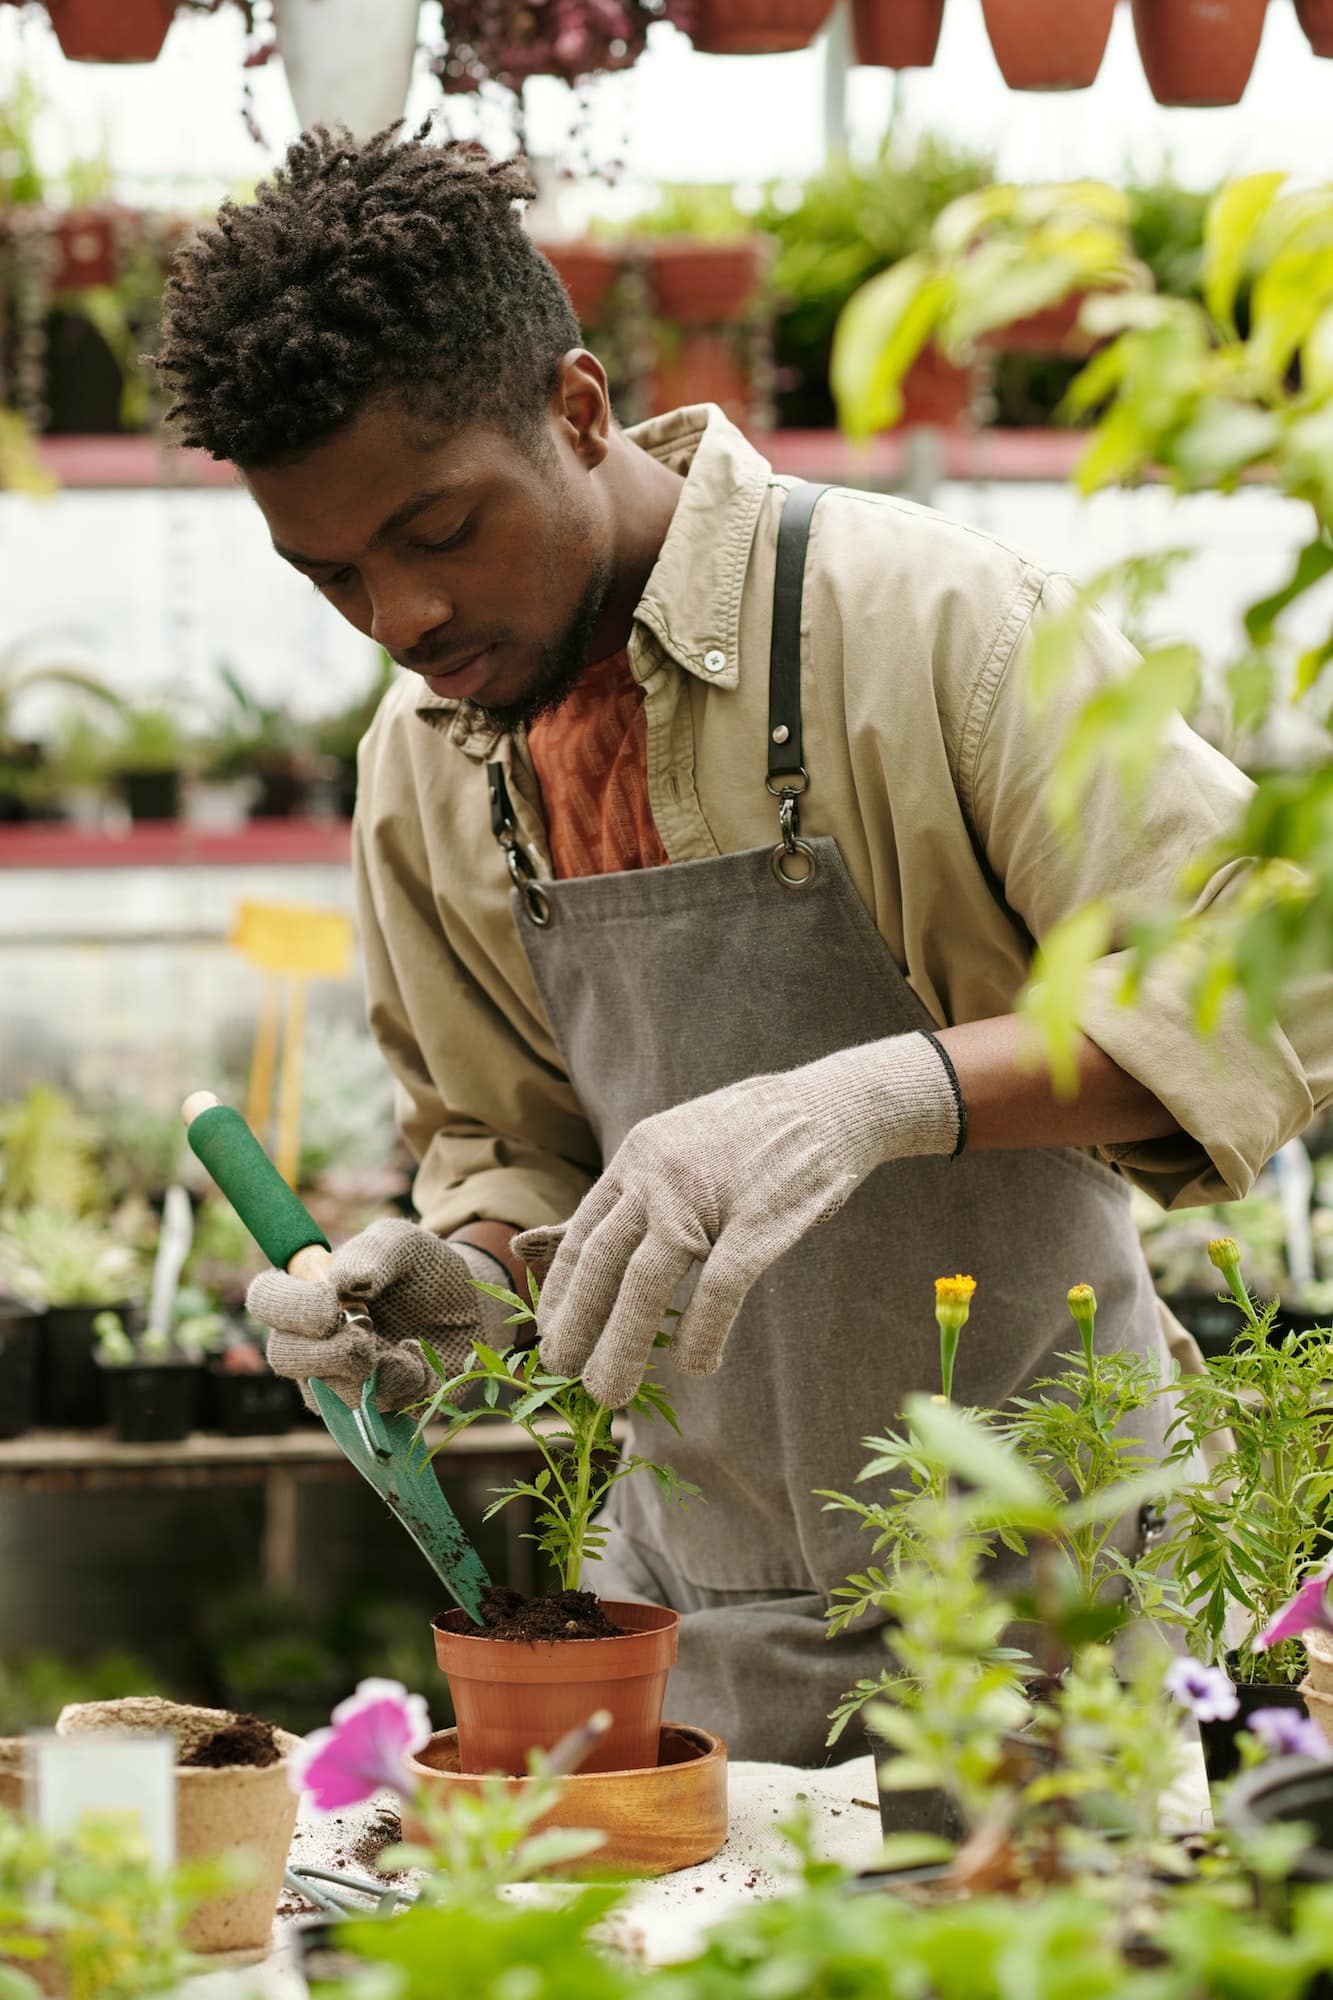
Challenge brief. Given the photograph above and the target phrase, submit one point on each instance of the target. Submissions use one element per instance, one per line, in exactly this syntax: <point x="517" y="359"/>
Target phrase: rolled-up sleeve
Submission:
<point x="1237" y="1098"/>
<point x="494" y="1130"/>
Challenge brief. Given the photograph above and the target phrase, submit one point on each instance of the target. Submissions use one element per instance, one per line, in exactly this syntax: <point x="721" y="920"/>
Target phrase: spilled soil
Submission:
<point x="563" y="1614"/>
<point x="242" y="1740"/>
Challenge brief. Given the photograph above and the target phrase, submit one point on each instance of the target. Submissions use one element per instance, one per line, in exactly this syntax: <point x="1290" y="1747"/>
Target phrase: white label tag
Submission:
<point x="130" y="1780"/>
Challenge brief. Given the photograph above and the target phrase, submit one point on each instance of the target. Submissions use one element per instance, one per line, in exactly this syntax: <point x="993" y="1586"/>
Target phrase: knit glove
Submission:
<point x="410" y="1283"/>
<point x="730" y="1181"/>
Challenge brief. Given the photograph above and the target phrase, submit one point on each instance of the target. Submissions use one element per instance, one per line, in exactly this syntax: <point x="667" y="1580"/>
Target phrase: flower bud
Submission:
<point x="953" y="1297"/>
<point x="1082" y="1303"/>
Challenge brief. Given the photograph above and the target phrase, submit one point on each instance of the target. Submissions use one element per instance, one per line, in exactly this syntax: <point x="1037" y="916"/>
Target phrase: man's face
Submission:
<point x="479" y="563"/>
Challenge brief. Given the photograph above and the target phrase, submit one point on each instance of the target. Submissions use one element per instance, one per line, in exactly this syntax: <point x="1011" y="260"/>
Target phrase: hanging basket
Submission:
<point x="1049" y="44"/>
<point x="127" y="31"/>
<point x="346" y="63"/>
<point x="757" y="27"/>
<point x="1198" y="52"/>
<point x="896" y="34"/>
<point x="1316" y="18"/>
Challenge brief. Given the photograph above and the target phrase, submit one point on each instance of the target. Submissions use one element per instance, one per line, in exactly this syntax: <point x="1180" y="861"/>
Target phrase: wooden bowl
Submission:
<point x="666" y="1816"/>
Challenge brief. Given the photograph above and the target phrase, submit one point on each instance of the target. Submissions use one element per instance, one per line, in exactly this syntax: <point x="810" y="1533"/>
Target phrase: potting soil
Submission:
<point x="243" y="1740"/>
<point x="563" y="1614"/>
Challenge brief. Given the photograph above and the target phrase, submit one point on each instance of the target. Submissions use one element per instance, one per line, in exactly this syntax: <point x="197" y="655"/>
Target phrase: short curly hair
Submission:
<point x="360" y="269"/>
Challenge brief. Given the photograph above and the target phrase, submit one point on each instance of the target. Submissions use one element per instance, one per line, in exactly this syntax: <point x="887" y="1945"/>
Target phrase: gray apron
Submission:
<point x="662" y="984"/>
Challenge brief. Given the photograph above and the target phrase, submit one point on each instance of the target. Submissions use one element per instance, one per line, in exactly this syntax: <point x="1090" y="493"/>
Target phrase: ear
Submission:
<point x="581" y="406"/>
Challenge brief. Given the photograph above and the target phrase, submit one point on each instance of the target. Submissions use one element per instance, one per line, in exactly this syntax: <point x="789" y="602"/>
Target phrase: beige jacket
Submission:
<point x="925" y="765"/>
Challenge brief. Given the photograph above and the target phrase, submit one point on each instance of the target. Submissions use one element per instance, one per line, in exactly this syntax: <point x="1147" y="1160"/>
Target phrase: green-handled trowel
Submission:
<point x="385" y="1450"/>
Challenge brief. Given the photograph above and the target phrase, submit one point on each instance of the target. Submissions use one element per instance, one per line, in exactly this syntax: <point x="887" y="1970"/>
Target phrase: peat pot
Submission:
<point x="237" y="1808"/>
<point x="511" y="1696"/>
<point x="671" y="1814"/>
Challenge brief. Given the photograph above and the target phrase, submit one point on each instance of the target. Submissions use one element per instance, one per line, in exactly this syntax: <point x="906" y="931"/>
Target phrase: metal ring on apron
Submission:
<point x="535" y="902"/>
<point x="782" y="854"/>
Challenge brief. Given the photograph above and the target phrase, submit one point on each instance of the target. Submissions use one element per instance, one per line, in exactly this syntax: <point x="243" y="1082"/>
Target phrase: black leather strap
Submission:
<point x="784" y="660"/>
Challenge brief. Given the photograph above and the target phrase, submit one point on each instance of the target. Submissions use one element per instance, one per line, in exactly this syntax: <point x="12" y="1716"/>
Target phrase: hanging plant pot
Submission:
<point x="1316" y="18"/>
<point x="896" y="34"/>
<point x="86" y="249"/>
<point x="757" y="27"/>
<point x="587" y="271"/>
<point x="124" y="32"/>
<point x="1049" y="44"/>
<point x="346" y="63"/>
<point x="704" y="284"/>
<point x="1198" y="52"/>
<point x="515" y="1695"/>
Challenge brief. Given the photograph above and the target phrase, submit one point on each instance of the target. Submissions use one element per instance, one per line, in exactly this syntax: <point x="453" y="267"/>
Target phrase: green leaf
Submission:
<point x="879" y="334"/>
<point x="1232" y="220"/>
<point x="969" y="1452"/>
<point x="1052" y="999"/>
<point x="1312" y="565"/>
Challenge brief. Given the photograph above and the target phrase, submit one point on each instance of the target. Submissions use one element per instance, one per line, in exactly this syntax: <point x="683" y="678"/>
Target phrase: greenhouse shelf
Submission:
<point x="175" y="843"/>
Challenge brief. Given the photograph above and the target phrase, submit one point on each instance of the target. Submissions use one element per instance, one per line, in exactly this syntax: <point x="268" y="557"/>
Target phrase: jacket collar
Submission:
<point x="692" y="600"/>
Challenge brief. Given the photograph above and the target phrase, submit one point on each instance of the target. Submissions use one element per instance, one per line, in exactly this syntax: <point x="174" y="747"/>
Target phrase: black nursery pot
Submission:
<point x="71" y="1395"/>
<point x="151" y="794"/>
<point x="923" y="1810"/>
<point x="20" y="1332"/>
<point x="250" y="1405"/>
<point x="152" y="1402"/>
<point x="1290" y="1790"/>
<point x="1221" y="1758"/>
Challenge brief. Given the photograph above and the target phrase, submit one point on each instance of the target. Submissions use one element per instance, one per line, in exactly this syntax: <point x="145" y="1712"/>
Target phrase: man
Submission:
<point x="763" y="779"/>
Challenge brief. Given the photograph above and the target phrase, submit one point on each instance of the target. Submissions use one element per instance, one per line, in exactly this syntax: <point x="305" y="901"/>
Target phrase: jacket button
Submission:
<point x="714" y="661"/>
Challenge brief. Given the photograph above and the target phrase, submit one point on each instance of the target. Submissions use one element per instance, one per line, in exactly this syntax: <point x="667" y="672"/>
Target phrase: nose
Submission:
<point x="403" y="613"/>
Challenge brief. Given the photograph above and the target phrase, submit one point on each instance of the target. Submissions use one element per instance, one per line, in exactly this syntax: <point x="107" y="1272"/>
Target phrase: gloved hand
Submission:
<point x="413" y="1285"/>
<point x="730" y="1180"/>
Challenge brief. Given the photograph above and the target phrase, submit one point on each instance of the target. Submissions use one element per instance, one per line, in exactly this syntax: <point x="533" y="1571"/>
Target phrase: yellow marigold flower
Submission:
<point x="955" y="1291"/>
<point x="953" y="1296"/>
<point x="1079" y="1296"/>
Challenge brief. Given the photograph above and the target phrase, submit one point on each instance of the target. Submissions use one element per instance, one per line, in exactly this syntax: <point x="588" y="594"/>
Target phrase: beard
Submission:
<point x="563" y="664"/>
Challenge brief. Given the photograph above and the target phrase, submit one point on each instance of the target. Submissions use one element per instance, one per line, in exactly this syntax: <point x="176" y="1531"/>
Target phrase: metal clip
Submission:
<point x="791" y="844"/>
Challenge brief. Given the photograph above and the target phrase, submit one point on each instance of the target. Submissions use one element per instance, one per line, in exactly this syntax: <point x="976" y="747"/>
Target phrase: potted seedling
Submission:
<point x="539" y="1666"/>
<point x="74" y="1267"/>
<point x="1248" y="1534"/>
<point x="337" y="737"/>
<point x="260" y="741"/>
<point x="153" y="1377"/>
<point x="245" y="1397"/>
<point x="145" y="763"/>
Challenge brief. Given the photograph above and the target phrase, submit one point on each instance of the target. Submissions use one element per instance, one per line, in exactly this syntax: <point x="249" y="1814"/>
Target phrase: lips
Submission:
<point x="460" y="679"/>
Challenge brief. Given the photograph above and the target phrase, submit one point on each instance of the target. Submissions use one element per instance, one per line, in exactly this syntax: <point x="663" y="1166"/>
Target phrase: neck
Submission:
<point x="641" y="497"/>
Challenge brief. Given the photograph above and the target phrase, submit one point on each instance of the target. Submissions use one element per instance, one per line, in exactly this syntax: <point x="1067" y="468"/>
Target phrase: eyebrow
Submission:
<point x="416" y="503"/>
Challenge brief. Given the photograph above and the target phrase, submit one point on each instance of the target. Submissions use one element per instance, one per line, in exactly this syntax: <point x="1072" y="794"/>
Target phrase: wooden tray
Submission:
<point x="667" y="1816"/>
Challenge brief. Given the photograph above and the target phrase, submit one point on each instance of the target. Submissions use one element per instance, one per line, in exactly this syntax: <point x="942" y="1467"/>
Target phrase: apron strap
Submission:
<point x="793" y="860"/>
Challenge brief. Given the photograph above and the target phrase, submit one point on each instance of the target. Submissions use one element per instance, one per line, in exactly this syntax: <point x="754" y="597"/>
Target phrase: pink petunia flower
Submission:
<point x="1205" y="1691"/>
<point x="1308" y="1611"/>
<point x="363" y="1752"/>
<point x="1285" y="1732"/>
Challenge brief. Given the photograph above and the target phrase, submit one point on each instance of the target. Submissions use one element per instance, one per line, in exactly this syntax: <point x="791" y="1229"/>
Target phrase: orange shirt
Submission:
<point x="591" y="760"/>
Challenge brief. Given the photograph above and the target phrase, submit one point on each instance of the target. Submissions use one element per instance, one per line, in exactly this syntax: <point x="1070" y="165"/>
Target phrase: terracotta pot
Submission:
<point x="515" y="1695"/>
<point x="128" y="31"/>
<point x="896" y="34"/>
<point x="1048" y="44"/>
<point x="1054" y="330"/>
<point x="935" y="391"/>
<point x="672" y="1814"/>
<point x="1198" y="52"/>
<point x="757" y="27"/>
<point x="702" y="365"/>
<point x="1316" y="17"/>
<point x="241" y="1808"/>
<point x="704" y="284"/>
<point x="586" y="270"/>
<point x="86" y="249"/>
